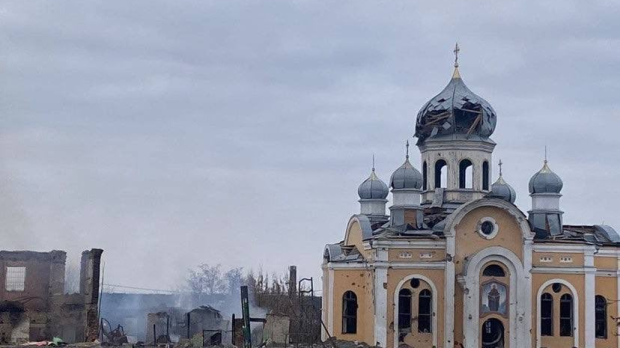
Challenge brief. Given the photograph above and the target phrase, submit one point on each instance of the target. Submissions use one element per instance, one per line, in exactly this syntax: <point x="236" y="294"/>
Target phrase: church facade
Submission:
<point x="455" y="263"/>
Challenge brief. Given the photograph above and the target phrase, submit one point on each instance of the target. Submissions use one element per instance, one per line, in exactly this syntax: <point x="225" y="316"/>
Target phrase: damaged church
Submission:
<point x="456" y="263"/>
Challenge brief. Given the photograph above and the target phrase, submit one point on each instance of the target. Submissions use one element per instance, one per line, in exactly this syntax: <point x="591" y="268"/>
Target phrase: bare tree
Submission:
<point x="206" y="280"/>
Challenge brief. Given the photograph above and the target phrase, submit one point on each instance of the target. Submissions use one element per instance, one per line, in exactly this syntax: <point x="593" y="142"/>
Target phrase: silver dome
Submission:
<point x="373" y="188"/>
<point x="406" y="177"/>
<point x="545" y="181"/>
<point x="456" y="110"/>
<point x="501" y="189"/>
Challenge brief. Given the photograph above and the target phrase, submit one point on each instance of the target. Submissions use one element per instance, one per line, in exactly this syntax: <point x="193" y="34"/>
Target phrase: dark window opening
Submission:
<point x="600" y="304"/>
<point x="349" y="313"/>
<point x="556" y="287"/>
<point x="415" y="283"/>
<point x="404" y="310"/>
<point x="487" y="228"/>
<point x="465" y="174"/>
<point x="425" y="313"/>
<point x="494" y="271"/>
<point x="424" y="176"/>
<point x="485" y="175"/>
<point x="566" y="315"/>
<point x="546" y="315"/>
<point x="441" y="174"/>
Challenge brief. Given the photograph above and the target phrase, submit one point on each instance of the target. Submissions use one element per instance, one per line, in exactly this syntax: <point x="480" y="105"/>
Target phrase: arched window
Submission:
<point x="600" y="305"/>
<point x="425" y="309"/>
<point x="546" y="315"/>
<point x="485" y="175"/>
<point x="404" y="310"/>
<point x="424" y="177"/>
<point x="566" y="315"/>
<point x="494" y="271"/>
<point x="465" y="174"/>
<point x="349" y="313"/>
<point x="441" y="174"/>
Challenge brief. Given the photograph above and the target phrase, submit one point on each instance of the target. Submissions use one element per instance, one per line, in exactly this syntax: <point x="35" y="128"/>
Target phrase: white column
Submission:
<point x="330" y="303"/>
<point x="381" y="296"/>
<point x="590" y="293"/>
<point x="449" y="281"/>
<point x="381" y="306"/>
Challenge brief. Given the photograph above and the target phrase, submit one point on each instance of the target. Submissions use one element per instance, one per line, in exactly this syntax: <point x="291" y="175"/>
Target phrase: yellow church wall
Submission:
<point x="469" y="241"/>
<point x="361" y="283"/>
<point x="416" y="339"/>
<point x="542" y="259"/>
<point x="608" y="288"/>
<point x="606" y="263"/>
<point x="416" y="255"/>
<point x="354" y="237"/>
<point x="557" y="341"/>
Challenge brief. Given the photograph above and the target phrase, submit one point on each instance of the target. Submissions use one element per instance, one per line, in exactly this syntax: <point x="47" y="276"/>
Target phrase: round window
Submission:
<point x="487" y="227"/>
<point x="415" y="283"/>
<point x="556" y="287"/>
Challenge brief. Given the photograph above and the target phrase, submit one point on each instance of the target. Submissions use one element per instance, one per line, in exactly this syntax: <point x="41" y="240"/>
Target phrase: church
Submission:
<point x="455" y="263"/>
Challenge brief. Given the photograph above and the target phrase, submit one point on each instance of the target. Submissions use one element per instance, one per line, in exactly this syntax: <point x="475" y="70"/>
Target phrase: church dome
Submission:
<point x="545" y="181"/>
<point x="455" y="111"/>
<point x="501" y="189"/>
<point x="406" y="177"/>
<point x="373" y="188"/>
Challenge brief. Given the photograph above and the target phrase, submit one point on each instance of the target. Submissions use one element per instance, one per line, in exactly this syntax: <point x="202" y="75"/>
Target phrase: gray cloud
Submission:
<point x="233" y="132"/>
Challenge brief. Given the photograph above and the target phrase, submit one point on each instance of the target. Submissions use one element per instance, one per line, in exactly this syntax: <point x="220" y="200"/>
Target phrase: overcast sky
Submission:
<point x="174" y="133"/>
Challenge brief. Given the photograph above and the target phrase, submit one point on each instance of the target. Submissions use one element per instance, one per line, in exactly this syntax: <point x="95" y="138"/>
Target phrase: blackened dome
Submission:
<point x="455" y="110"/>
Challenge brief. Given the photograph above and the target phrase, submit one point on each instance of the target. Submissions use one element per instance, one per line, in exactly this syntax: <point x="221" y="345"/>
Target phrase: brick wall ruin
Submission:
<point x="33" y="305"/>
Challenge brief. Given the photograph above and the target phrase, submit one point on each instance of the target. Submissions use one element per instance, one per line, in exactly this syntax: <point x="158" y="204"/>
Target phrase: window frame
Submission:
<point x="566" y="300"/>
<point x="546" y="297"/>
<point x="349" y="298"/>
<point x="427" y="318"/>
<point x="404" y="316"/>
<point x="600" y="310"/>
<point x="11" y="278"/>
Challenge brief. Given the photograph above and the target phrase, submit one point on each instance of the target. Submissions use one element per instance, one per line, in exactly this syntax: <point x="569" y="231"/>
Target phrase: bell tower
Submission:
<point x="453" y="130"/>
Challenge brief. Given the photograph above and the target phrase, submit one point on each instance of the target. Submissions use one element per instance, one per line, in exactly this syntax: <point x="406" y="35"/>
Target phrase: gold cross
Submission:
<point x="456" y="55"/>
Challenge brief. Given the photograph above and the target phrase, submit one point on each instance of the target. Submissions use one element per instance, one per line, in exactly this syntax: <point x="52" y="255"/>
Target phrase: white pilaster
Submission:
<point x="590" y="293"/>
<point x="380" y="289"/>
<point x="449" y="284"/>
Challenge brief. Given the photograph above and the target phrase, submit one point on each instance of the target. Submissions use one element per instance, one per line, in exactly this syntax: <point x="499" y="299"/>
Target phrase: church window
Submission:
<point x="424" y="176"/>
<point x="465" y="174"/>
<point x="425" y="311"/>
<point x="349" y="313"/>
<point x="494" y="271"/>
<point x="566" y="315"/>
<point x="487" y="228"/>
<point x="441" y="174"/>
<point x="485" y="175"/>
<point x="600" y="304"/>
<point x="415" y="283"/>
<point x="556" y="287"/>
<point x="404" y="310"/>
<point x="546" y="315"/>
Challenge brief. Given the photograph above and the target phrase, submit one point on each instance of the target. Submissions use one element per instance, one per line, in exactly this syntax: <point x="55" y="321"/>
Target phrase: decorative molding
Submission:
<point x="546" y="259"/>
<point x="560" y="248"/>
<point x="414" y="244"/>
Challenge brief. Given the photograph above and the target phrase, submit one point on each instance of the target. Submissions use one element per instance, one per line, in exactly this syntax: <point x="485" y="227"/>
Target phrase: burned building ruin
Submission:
<point x="33" y="303"/>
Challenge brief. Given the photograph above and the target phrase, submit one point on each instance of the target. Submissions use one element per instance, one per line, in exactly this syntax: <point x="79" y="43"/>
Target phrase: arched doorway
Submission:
<point x="492" y="334"/>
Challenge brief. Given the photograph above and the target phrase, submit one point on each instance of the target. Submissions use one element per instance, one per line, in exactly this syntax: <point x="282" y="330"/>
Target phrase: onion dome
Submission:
<point x="501" y="189"/>
<point x="545" y="181"/>
<point x="455" y="110"/>
<point x="373" y="188"/>
<point x="406" y="176"/>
